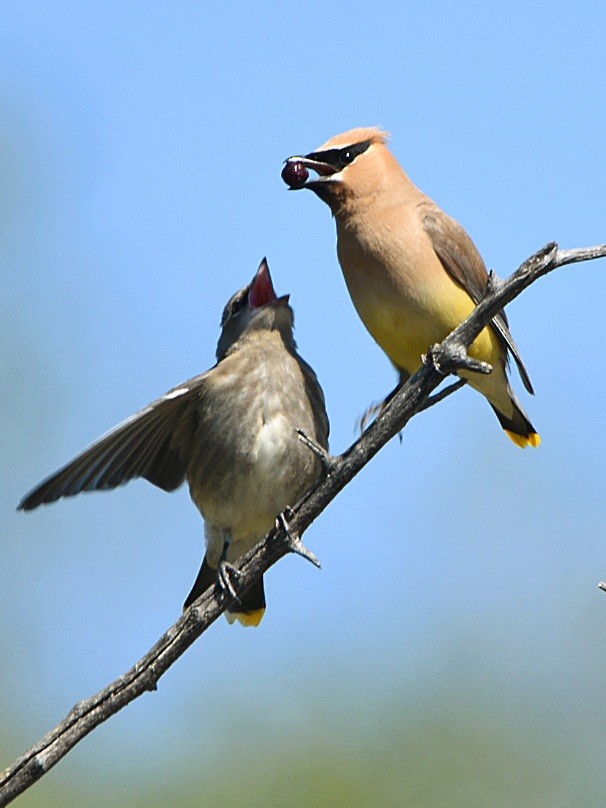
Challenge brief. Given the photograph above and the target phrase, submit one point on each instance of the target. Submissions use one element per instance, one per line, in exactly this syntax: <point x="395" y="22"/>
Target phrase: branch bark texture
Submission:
<point x="410" y="399"/>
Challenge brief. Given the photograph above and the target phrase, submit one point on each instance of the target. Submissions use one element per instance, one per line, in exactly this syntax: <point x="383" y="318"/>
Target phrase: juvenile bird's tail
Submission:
<point x="252" y="603"/>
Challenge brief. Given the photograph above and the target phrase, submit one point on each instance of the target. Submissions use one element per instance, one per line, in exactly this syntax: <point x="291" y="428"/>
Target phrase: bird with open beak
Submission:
<point x="412" y="272"/>
<point x="230" y="432"/>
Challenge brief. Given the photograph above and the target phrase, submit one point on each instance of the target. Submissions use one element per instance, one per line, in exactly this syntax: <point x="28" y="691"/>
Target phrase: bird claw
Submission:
<point x="453" y="358"/>
<point x="493" y="284"/>
<point x="320" y="452"/>
<point x="295" y="545"/>
<point x="226" y="575"/>
<point x="369" y="414"/>
<point x="377" y="408"/>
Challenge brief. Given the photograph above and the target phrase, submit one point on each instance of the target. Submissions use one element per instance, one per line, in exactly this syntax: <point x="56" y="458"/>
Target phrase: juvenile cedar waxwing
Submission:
<point x="412" y="272"/>
<point x="230" y="432"/>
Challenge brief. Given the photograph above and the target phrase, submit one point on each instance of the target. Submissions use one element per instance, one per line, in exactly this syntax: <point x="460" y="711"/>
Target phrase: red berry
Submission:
<point x="295" y="174"/>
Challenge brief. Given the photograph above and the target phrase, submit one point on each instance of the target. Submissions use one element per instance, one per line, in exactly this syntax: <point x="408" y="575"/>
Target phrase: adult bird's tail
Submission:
<point x="517" y="424"/>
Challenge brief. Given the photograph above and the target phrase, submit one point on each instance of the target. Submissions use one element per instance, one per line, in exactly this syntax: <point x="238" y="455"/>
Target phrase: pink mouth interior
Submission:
<point x="262" y="290"/>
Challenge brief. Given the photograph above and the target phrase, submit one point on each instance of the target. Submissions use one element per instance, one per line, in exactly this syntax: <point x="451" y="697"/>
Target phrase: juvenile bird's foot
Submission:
<point x="326" y="459"/>
<point x="295" y="545"/>
<point x="227" y="575"/>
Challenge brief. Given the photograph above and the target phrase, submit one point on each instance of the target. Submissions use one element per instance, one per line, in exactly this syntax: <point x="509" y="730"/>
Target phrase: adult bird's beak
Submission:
<point x="313" y="161"/>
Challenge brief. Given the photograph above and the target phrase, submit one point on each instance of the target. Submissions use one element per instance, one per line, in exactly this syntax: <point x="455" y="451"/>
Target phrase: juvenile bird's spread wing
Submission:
<point x="154" y="443"/>
<point x="463" y="262"/>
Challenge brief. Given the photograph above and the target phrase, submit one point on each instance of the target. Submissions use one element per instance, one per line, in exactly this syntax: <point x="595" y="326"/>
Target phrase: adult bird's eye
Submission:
<point x="348" y="154"/>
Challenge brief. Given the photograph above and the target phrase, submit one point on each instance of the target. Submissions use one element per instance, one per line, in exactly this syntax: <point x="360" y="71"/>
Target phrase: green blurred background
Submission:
<point x="452" y="651"/>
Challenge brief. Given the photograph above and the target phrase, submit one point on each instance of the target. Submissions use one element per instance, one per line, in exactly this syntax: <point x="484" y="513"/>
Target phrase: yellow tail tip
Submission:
<point x="246" y="618"/>
<point x="534" y="439"/>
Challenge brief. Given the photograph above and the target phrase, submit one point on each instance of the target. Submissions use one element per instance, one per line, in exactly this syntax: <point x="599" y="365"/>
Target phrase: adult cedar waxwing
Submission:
<point x="412" y="272"/>
<point x="230" y="432"/>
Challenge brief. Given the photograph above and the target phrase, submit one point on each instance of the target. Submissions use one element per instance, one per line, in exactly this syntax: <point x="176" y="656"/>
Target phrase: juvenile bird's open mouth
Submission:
<point x="262" y="292"/>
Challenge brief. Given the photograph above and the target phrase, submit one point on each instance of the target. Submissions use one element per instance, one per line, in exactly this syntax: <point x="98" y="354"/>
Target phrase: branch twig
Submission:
<point x="410" y="399"/>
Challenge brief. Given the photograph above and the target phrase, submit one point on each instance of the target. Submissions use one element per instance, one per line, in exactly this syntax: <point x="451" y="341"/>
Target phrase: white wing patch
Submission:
<point x="180" y="391"/>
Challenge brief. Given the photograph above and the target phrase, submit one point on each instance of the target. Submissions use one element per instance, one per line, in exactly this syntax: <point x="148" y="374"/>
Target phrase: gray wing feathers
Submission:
<point x="154" y="443"/>
<point x="500" y="324"/>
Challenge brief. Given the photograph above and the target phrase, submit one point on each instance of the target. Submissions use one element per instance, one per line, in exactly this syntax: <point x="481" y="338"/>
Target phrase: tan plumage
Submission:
<point x="230" y="432"/>
<point x="412" y="272"/>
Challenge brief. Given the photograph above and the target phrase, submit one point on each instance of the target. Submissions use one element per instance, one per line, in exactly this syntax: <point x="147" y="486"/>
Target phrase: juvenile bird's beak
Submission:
<point x="262" y="292"/>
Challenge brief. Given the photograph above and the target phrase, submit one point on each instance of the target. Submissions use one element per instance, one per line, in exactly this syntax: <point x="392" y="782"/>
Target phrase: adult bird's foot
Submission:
<point x="369" y="414"/>
<point x="452" y="358"/>
<point x="378" y="407"/>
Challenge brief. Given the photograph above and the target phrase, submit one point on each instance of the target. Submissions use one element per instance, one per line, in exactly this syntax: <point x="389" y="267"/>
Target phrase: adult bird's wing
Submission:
<point x="463" y="262"/>
<point x="154" y="443"/>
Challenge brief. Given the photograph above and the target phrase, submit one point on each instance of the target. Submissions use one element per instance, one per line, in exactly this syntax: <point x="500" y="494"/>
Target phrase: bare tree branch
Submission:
<point x="412" y="398"/>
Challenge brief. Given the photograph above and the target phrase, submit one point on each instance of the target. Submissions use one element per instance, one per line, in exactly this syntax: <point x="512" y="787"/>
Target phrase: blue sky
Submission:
<point x="141" y="148"/>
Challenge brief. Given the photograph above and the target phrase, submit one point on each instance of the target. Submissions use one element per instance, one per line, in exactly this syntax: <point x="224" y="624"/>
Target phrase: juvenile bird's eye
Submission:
<point x="235" y="305"/>
<point x="240" y="303"/>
